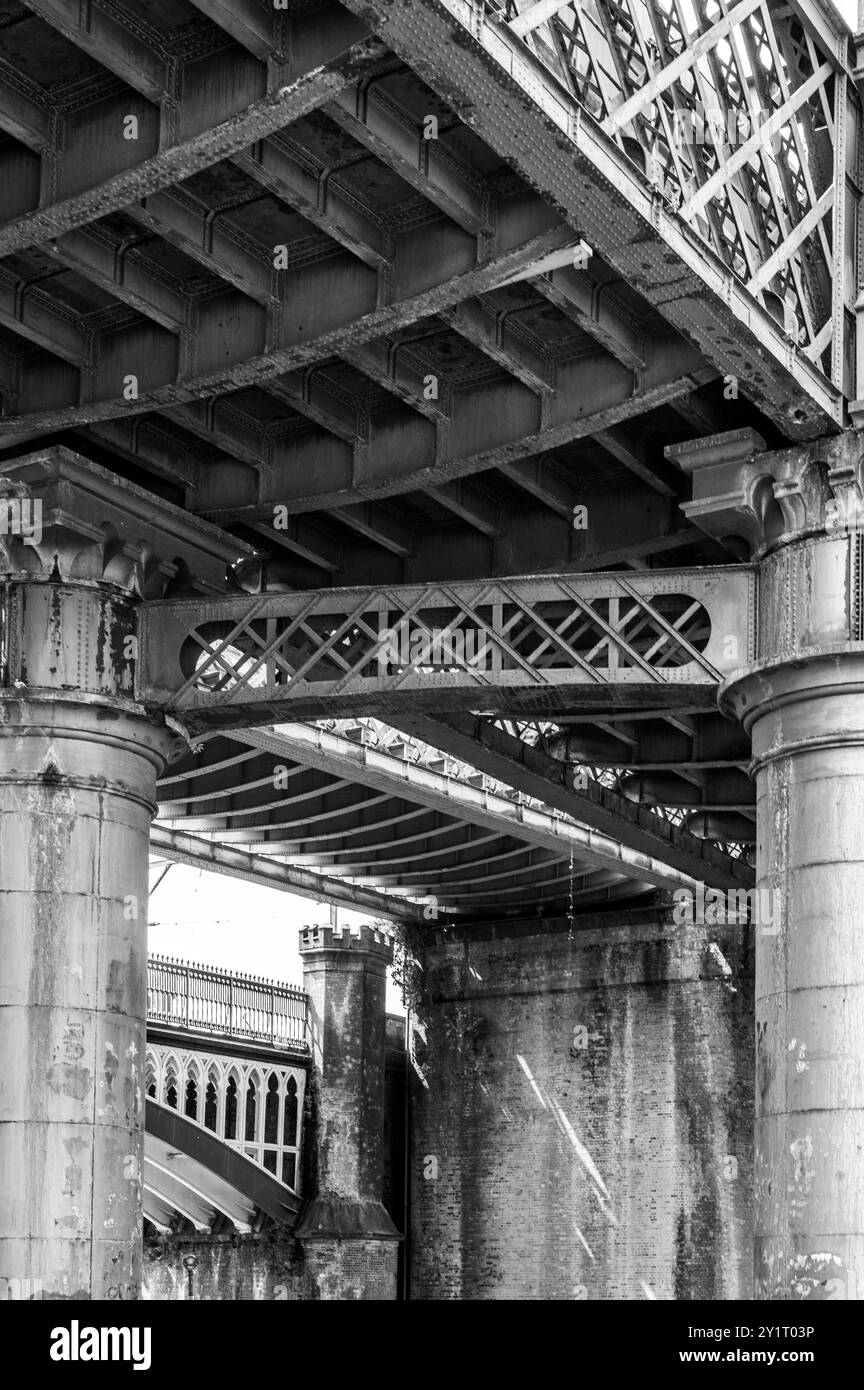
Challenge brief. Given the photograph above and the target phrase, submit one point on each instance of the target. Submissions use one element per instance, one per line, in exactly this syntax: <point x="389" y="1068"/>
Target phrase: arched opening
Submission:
<point x="289" y="1124"/>
<point x="192" y="1098"/>
<point x="271" y="1111"/>
<point x="231" y="1108"/>
<point x="211" y="1104"/>
<point x="251" y="1109"/>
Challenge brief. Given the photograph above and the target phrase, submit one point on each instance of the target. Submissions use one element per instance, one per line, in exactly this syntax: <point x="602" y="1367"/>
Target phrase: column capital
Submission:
<point x="810" y="625"/>
<point x="756" y="500"/>
<point x="65" y="517"/>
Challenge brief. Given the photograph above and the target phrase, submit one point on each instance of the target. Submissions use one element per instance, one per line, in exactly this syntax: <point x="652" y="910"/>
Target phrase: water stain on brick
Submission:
<point x="645" y="1106"/>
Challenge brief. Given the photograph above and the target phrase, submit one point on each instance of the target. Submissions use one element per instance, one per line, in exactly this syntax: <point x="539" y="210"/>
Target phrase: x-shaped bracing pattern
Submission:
<point x="737" y="113"/>
<point x="468" y="644"/>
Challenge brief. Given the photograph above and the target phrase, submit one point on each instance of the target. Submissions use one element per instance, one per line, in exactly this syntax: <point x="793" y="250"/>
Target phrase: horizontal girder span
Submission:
<point x="648" y="638"/>
<point x="537" y="774"/>
<point x="180" y="848"/>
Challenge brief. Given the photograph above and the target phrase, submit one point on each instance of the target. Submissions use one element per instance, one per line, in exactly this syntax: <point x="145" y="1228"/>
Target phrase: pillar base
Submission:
<point x="345" y="1218"/>
<point x="362" y="1269"/>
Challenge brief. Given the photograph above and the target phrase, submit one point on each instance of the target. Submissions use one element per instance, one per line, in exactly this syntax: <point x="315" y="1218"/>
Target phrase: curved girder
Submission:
<point x="194" y="1171"/>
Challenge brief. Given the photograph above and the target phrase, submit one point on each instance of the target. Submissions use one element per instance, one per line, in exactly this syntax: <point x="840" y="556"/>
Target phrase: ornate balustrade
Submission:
<point x="255" y="1107"/>
<point x="207" y="1000"/>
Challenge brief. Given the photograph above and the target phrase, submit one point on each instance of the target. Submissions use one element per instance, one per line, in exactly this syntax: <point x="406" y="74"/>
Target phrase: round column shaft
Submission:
<point x="77" y="791"/>
<point x="806" y="717"/>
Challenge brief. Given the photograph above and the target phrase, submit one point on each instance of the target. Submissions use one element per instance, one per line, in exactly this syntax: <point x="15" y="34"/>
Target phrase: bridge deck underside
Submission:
<point x="329" y="288"/>
<point x="368" y="808"/>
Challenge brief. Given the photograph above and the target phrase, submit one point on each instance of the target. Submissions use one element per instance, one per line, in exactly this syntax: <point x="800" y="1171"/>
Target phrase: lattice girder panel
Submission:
<point x="497" y="645"/>
<point x="731" y="110"/>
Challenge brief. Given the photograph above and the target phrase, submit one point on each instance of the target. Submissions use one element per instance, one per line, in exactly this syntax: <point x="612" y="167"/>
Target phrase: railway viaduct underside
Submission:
<point x="432" y="484"/>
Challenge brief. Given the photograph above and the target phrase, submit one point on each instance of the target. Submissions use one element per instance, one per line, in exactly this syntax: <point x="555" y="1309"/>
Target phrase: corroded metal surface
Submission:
<point x="368" y="649"/>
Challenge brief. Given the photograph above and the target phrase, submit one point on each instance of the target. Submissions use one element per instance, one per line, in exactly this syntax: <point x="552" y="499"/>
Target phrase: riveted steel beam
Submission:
<point x="508" y="98"/>
<point x="492" y="750"/>
<point x="653" y="637"/>
<point x="180" y="848"/>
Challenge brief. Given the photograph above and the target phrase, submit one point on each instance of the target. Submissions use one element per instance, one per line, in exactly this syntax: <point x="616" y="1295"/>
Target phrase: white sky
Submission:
<point x="210" y="919"/>
<point x="206" y="917"/>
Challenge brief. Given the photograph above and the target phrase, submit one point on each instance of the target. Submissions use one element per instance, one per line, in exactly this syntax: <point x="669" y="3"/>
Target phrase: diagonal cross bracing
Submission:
<point x="628" y="214"/>
<point x="489" y="644"/>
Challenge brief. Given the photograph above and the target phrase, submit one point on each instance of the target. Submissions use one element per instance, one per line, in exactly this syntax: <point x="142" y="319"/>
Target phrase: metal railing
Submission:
<point x="204" y="999"/>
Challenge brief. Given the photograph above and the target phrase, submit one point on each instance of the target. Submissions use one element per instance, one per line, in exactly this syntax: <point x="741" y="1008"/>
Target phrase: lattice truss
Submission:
<point x="737" y="113"/>
<point x="671" y="627"/>
<point x="543" y="734"/>
<point x="373" y="733"/>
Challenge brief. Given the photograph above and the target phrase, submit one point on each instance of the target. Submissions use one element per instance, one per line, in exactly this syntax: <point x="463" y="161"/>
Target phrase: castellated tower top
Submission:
<point x="362" y="938"/>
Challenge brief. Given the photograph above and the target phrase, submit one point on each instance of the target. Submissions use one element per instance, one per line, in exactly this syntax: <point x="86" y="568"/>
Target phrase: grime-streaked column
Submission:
<point x="804" y="707"/>
<point x="78" y="768"/>
<point x="82" y="743"/>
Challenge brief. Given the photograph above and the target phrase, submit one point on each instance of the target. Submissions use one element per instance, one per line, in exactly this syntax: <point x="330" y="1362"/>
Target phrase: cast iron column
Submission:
<point x="78" y="768"/>
<point x="79" y="758"/>
<point x="803" y="704"/>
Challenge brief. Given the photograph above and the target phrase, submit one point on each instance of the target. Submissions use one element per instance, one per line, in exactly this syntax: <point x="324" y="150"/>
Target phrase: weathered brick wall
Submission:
<point x="344" y="974"/>
<point x="227" y="1267"/>
<point x="587" y="1127"/>
<point x="268" y="1268"/>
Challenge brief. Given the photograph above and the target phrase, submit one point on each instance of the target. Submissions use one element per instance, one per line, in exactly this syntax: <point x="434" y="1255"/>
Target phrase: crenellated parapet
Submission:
<point x="344" y="974"/>
<point x="367" y="939"/>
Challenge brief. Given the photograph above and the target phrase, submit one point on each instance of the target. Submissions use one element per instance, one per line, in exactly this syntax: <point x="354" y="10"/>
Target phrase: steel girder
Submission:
<point x="655" y="638"/>
<point x="586" y="117"/>
<point x="366" y="827"/>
